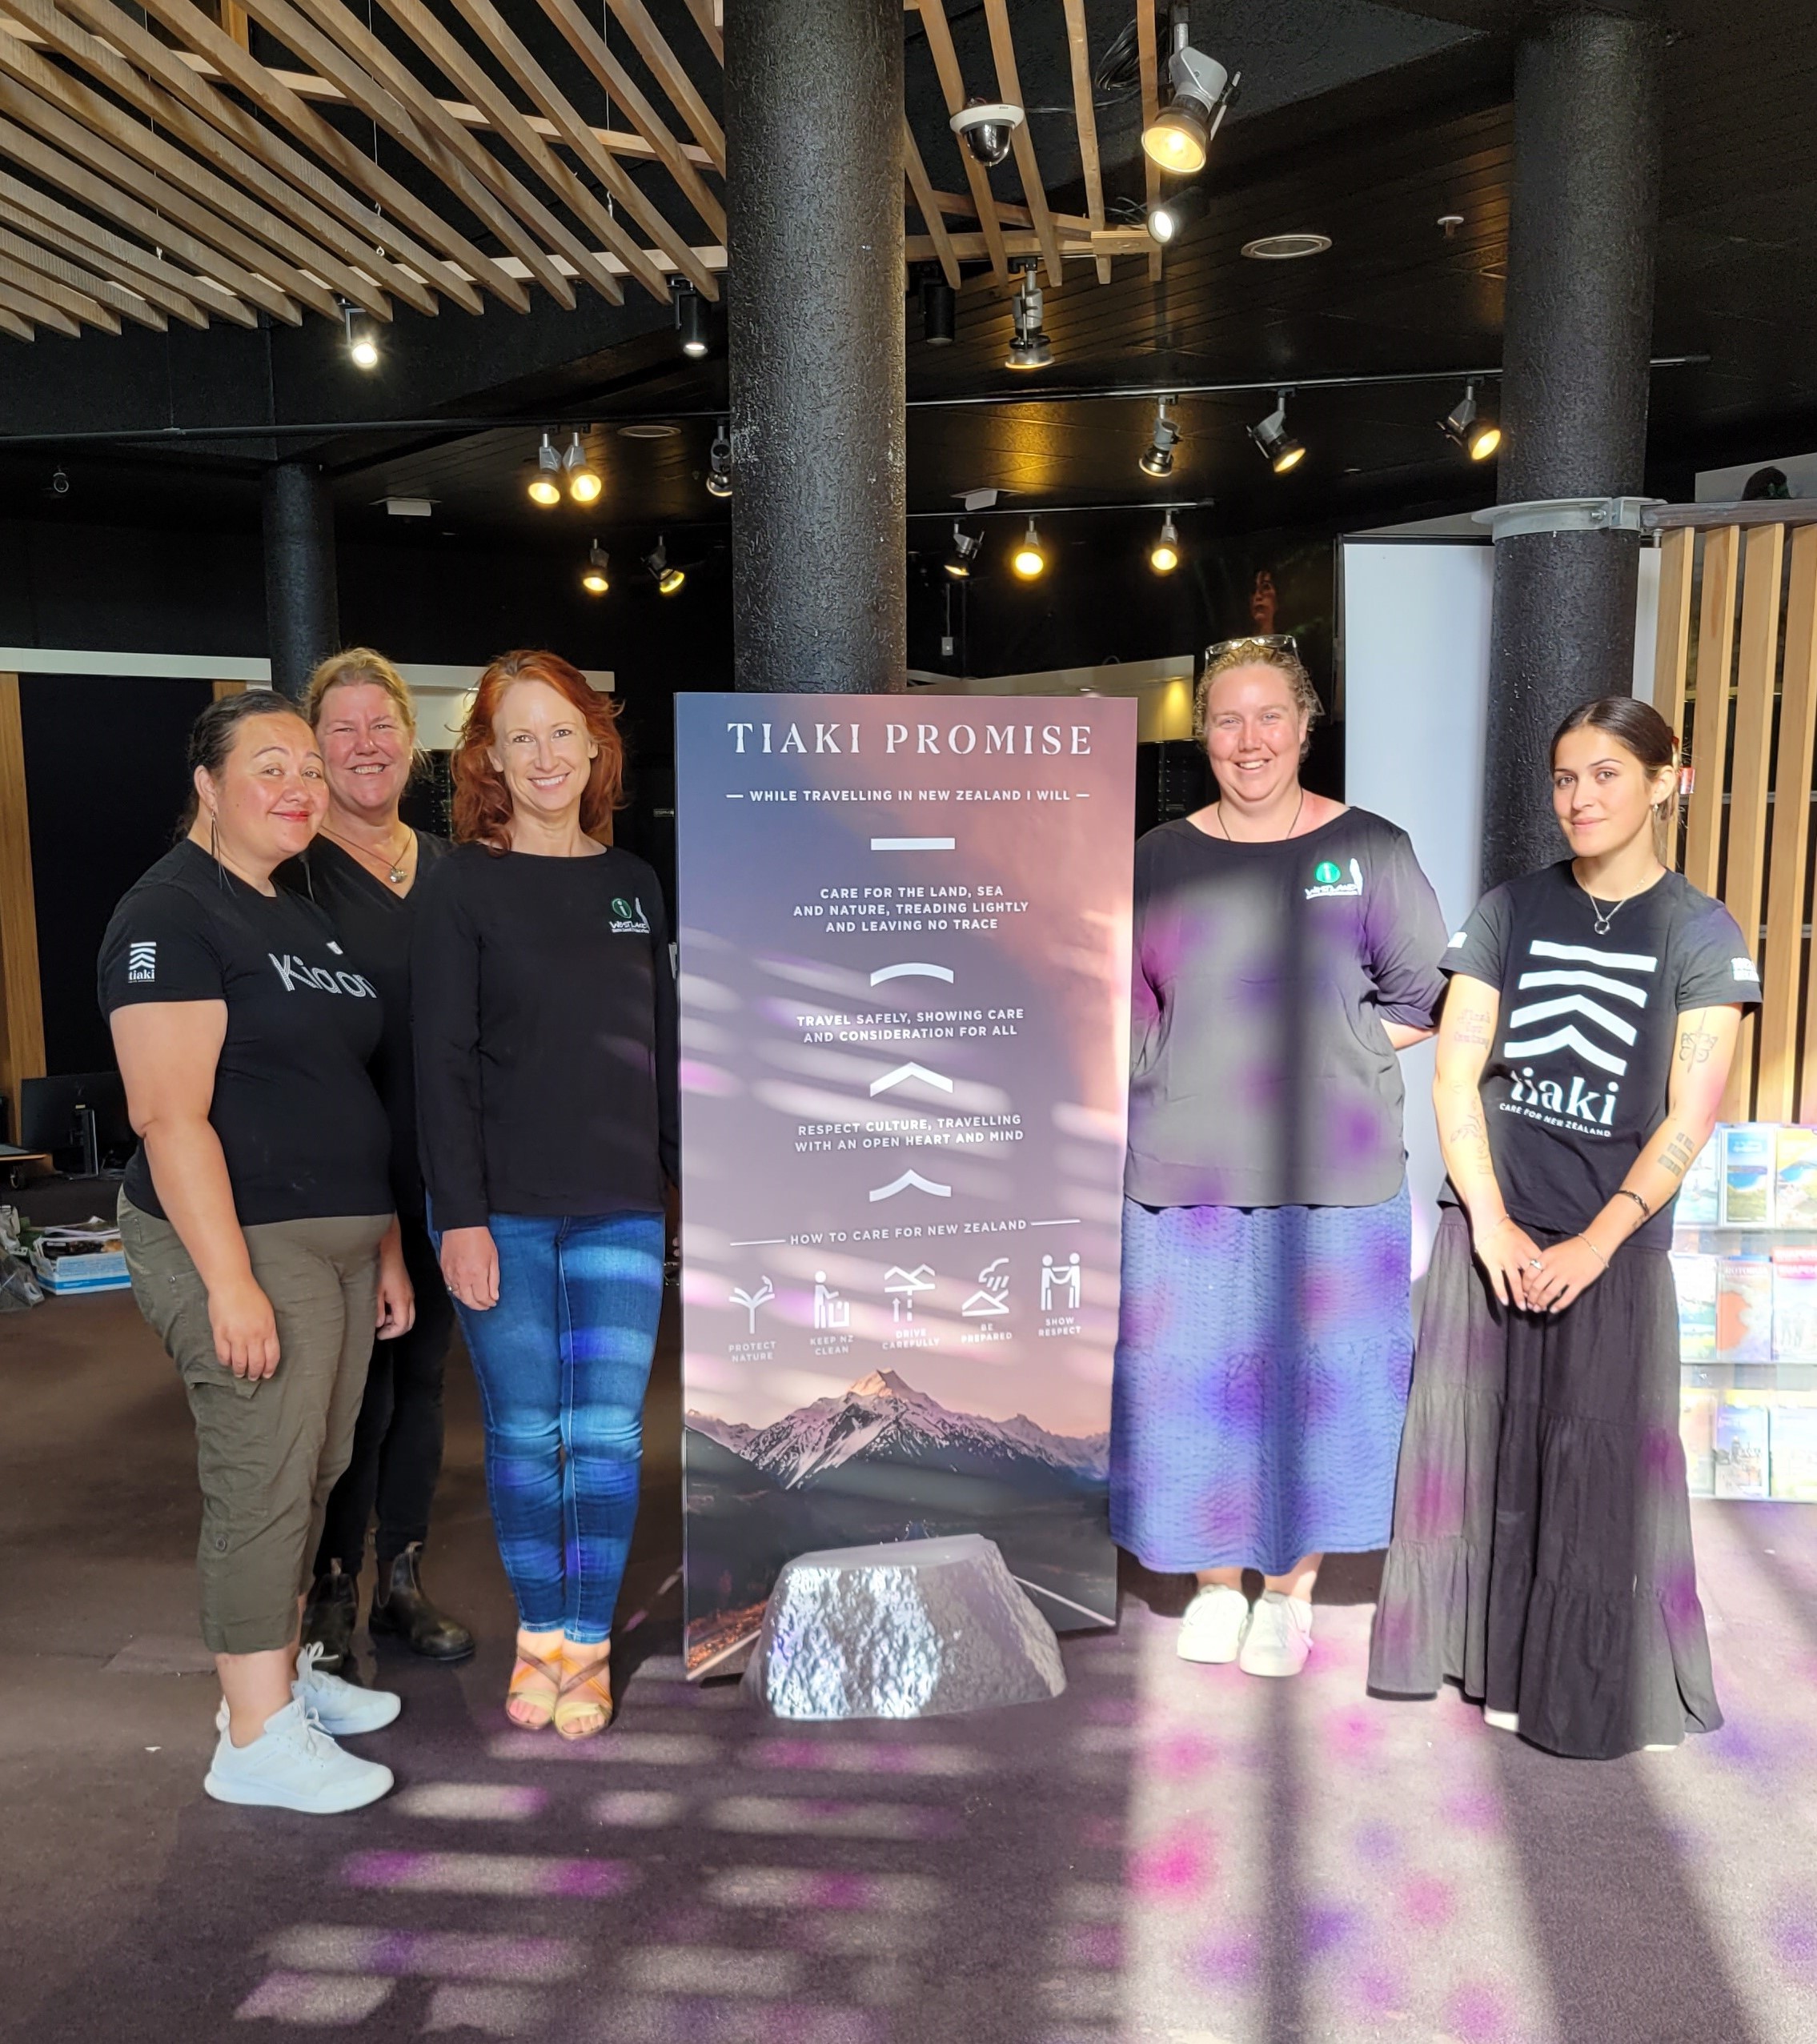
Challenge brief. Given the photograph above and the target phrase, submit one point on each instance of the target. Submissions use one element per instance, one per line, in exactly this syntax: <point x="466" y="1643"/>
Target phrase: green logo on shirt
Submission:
<point x="1325" y="873"/>
<point x="621" y="908"/>
<point x="627" y="918"/>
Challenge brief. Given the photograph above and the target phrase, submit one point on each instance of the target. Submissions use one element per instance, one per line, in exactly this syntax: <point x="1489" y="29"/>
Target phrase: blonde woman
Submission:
<point x="1286" y="950"/>
<point x="363" y="868"/>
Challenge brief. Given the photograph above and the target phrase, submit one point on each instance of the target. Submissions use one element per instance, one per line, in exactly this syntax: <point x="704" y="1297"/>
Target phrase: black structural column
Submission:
<point x="301" y="608"/>
<point x="1577" y="333"/>
<point x="815" y="288"/>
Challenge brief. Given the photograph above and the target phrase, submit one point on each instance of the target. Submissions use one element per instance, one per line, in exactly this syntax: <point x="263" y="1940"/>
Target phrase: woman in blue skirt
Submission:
<point x="1286" y="950"/>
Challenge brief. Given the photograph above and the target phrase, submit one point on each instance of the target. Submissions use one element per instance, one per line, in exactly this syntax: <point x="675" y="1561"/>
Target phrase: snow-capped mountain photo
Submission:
<point x="884" y="1417"/>
<point x="886" y="1462"/>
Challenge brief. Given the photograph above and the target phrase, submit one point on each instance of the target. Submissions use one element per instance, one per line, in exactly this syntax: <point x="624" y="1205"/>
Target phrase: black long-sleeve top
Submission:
<point x="545" y="1028"/>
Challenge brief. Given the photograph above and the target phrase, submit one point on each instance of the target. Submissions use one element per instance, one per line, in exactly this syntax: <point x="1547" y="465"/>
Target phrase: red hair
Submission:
<point x="482" y="802"/>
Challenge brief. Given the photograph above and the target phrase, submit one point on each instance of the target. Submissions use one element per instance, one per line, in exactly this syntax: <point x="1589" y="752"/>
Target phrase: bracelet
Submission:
<point x="1628" y="1193"/>
<point x="1592" y="1249"/>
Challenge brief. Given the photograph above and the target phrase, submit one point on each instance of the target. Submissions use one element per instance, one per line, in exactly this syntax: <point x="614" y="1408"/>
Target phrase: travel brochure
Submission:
<point x="1744" y="1263"/>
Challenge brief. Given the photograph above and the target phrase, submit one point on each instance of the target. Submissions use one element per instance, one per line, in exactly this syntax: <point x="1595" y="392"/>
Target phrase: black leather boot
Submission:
<point x="329" y="1618"/>
<point x="401" y="1609"/>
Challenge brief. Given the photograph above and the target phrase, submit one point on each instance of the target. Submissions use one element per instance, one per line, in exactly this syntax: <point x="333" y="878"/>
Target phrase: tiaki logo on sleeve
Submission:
<point x="1745" y="969"/>
<point x="141" y="962"/>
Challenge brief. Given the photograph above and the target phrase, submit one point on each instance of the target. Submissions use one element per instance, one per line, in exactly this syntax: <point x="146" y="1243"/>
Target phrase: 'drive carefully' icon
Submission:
<point x="904" y="1286"/>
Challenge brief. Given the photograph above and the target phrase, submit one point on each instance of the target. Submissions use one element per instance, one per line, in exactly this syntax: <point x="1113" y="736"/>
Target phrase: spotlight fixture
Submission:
<point x="1164" y="555"/>
<point x="362" y="346"/>
<point x="966" y="546"/>
<point x="1027" y="560"/>
<point x="1030" y="349"/>
<point x="1156" y="458"/>
<point x="1180" y="136"/>
<point x="691" y="319"/>
<point x="940" y="309"/>
<point x="719" y="472"/>
<point x="595" y="577"/>
<point x="1478" y="437"/>
<point x="986" y="127"/>
<point x="1167" y="217"/>
<point x="583" y="483"/>
<point x="544" y="487"/>
<point x="1271" y="436"/>
<point x="667" y="577"/>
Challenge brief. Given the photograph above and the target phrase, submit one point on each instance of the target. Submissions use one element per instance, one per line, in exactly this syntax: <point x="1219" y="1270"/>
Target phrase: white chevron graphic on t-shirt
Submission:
<point x="1604" y="965"/>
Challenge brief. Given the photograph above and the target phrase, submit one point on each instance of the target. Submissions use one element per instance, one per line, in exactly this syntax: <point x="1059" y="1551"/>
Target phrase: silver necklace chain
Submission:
<point x="1217" y="811"/>
<point x="1597" y="915"/>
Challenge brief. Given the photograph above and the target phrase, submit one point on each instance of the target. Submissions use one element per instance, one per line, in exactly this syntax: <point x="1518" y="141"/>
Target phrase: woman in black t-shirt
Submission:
<point x="258" y="1224"/>
<point x="1541" y="1554"/>
<point x="365" y="868"/>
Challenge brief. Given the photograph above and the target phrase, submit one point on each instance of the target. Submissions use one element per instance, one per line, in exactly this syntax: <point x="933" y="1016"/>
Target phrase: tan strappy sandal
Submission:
<point x="528" y="1679"/>
<point x="584" y="1706"/>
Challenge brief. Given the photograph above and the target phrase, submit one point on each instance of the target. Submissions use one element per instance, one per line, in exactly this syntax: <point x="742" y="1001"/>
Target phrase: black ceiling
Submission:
<point x="1360" y="121"/>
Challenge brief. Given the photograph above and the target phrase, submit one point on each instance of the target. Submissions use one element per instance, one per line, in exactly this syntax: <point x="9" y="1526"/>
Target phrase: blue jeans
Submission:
<point x="563" y="1361"/>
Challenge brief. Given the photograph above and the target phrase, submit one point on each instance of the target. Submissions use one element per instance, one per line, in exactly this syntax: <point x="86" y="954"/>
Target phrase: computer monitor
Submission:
<point x="80" y="1117"/>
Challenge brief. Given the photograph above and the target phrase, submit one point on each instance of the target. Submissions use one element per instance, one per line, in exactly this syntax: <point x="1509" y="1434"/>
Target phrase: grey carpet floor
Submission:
<point x="1167" y="1853"/>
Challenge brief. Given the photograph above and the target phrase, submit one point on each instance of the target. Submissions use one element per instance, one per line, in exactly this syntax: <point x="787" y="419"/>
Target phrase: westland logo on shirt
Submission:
<point x="1328" y="880"/>
<point x="1584" y="1026"/>
<point x="294" y="973"/>
<point x="628" y="919"/>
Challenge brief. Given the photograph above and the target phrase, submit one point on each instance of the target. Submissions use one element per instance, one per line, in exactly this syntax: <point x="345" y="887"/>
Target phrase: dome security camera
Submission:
<point x="985" y="127"/>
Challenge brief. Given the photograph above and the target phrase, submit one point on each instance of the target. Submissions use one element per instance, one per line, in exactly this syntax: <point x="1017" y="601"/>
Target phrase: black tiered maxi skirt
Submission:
<point x="1542" y="1555"/>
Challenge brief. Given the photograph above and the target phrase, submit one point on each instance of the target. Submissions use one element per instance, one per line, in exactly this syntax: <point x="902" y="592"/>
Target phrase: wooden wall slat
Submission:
<point x="1756" y="668"/>
<point x="1777" y="1093"/>
<point x="1709" y="732"/>
<point x="1671" y="657"/>
<point x="21" y="1007"/>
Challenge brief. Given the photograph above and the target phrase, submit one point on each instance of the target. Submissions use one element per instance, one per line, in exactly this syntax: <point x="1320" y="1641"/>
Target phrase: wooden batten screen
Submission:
<point x="1736" y="676"/>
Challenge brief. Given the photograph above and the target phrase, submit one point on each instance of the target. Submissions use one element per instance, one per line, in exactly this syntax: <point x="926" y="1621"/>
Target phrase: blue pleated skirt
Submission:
<point x="1263" y="1358"/>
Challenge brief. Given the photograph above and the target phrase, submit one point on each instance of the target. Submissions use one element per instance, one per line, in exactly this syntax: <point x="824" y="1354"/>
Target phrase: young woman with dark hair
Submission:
<point x="258" y="1223"/>
<point x="545" y="1028"/>
<point x="1541" y="1554"/>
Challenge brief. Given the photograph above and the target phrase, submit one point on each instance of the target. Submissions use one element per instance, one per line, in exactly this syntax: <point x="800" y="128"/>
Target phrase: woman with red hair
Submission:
<point x="545" y="1029"/>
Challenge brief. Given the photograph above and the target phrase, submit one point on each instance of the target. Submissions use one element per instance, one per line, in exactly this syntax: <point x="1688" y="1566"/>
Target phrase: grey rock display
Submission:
<point x="910" y="1629"/>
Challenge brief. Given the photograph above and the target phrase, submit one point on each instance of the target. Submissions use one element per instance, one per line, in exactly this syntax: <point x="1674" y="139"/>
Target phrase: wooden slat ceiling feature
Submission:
<point x="208" y="159"/>
<point x="152" y="165"/>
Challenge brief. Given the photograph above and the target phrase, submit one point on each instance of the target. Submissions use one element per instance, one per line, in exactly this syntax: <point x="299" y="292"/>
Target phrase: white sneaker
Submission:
<point x="1279" y="1636"/>
<point x="1214" y="1624"/>
<point x="294" y="1764"/>
<point x="1501" y="1721"/>
<point x="344" y="1708"/>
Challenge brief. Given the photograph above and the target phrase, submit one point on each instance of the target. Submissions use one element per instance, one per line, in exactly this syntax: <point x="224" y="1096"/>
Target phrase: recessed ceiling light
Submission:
<point x="1286" y="248"/>
<point x="648" y="429"/>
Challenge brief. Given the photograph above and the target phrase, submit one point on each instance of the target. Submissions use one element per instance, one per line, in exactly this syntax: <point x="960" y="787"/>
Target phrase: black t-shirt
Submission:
<point x="300" y="1122"/>
<point x="1577" y="1080"/>
<point x="545" y="1027"/>
<point x="1260" y="1073"/>
<point x="374" y="923"/>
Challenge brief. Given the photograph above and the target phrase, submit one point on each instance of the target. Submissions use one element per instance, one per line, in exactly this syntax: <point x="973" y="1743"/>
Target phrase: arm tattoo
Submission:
<point x="1474" y="1030"/>
<point x="1678" y="1155"/>
<point x="1695" y="1046"/>
<point x="1471" y="1138"/>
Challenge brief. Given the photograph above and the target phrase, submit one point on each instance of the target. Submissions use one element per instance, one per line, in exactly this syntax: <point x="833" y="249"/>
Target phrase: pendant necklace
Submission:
<point x="1597" y="915"/>
<point x="395" y="875"/>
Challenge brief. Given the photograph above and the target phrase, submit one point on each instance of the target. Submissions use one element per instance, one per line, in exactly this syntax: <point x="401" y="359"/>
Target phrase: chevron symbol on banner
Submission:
<point x="912" y="1178"/>
<point x="905" y="1071"/>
